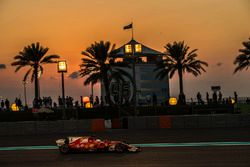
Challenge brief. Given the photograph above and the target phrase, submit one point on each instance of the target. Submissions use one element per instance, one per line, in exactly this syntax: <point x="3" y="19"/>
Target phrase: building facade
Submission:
<point x="147" y="89"/>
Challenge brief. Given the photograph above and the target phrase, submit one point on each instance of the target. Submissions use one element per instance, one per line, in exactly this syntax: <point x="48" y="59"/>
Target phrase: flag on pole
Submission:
<point x="128" y="26"/>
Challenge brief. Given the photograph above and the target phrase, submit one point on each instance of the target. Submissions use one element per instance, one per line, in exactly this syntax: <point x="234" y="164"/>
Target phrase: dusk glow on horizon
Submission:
<point x="216" y="28"/>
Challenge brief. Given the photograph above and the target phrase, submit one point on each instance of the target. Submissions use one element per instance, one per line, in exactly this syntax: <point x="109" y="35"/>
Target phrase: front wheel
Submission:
<point x="119" y="148"/>
<point x="64" y="149"/>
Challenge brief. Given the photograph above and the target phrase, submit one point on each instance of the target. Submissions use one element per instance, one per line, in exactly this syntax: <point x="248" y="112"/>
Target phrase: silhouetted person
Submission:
<point x="2" y="104"/>
<point x="7" y="104"/>
<point x="67" y="101"/>
<point x="76" y="104"/>
<point x="97" y="102"/>
<point x="214" y="97"/>
<point x="207" y="98"/>
<point x="235" y="97"/>
<point x="54" y="105"/>
<point x="199" y="99"/>
<point x="81" y="101"/>
<point x="229" y="100"/>
<point x="220" y="97"/>
<point x="154" y="100"/>
<point x="60" y="101"/>
<point x="248" y="101"/>
<point x="35" y="102"/>
<point x="19" y="103"/>
<point x="40" y="102"/>
<point x="76" y="110"/>
<point x="102" y="102"/>
<point x="91" y="99"/>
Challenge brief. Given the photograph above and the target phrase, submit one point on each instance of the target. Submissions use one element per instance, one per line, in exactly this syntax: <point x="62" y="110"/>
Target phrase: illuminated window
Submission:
<point x="128" y="49"/>
<point x="119" y="60"/>
<point x="137" y="47"/>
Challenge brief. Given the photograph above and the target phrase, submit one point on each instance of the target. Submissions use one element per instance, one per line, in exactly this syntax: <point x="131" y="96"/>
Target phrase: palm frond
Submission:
<point x="242" y="61"/>
<point x="49" y="59"/>
<point x="27" y="74"/>
<point x="19" y="67"/>
<point x="33" y="56"/>
<point x="178" y="58"/>
<point x="89" y="55"/>
<point x="93" y="79"/>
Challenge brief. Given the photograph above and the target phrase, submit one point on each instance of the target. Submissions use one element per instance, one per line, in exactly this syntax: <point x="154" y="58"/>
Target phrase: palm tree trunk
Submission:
<point x="36" y="82"/>
<point x="182" y="99"/>
<point x="107" y="92"/>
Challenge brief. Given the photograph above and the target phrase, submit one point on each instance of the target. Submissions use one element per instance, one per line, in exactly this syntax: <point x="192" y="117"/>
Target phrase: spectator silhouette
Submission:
<point x="2" y="104"/>
<point x="199" y="98"/>
<point x="60" y="102"/>
<point x="236" y="97"/>
<point x="7" y="104"/>
<point x="97" y="102"/>
<point x="207" y="98"/>
<point x="248" y="101"/>
<point x="215" y="97"/>
<point x="54" y="105"/>
<point x="229" y="100"/>
<point x="154" y="100"/>
<point x="77" y="109"/>
<point x="102" y="102"/>
<point x="220" y="97"/>
<point x="91" y="99"/>
<point x="81" y="101"/>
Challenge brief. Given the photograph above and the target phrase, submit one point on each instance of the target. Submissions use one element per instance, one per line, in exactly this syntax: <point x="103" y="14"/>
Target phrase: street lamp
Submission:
<point x="62" y="68"/>
<point x="134" y="48"/>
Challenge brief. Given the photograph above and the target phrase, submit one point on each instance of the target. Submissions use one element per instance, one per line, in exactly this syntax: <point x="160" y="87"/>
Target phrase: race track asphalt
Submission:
<point x="230" y="156"/>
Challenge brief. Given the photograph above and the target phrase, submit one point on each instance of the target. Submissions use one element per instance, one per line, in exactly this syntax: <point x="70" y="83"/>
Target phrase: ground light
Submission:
<point x="85" y="101"/>
<point x="232" y="101"/>
<point x="14" y="107"/>
<point x="88" y="105"/>
<point x="172" y="101"/>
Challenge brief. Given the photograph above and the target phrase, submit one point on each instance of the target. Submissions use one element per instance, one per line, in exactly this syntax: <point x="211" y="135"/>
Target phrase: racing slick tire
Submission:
<point x="119" y="148"/>
<point x="64" y="149"/>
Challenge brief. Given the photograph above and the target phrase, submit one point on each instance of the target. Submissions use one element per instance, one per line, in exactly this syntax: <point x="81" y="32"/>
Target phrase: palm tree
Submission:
<point x="99" y="66"/>
<point x="179" y="59"/>
<point x="34" y="56"/>
<point x="243" y="59"/>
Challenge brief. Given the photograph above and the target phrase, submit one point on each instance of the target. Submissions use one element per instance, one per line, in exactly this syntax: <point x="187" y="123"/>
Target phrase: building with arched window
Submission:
<point x="142" y="60"/>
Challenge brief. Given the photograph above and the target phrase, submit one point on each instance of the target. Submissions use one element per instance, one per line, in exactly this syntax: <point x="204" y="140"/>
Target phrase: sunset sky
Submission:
<point x="216" y="28"/>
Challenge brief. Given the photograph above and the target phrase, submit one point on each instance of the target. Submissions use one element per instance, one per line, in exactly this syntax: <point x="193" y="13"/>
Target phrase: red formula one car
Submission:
<point x="92" y="144"/>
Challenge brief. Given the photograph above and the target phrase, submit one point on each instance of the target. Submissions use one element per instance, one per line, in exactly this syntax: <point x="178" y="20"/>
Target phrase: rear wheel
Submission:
<point x="64" y="149"/>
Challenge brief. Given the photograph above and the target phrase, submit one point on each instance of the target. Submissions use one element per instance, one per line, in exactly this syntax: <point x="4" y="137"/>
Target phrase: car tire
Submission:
<point x="119" y="148"/>
<point x="64" y="149"/>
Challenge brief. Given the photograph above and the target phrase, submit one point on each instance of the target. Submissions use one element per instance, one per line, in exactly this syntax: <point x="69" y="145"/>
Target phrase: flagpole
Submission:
<point x="132" y="30"/>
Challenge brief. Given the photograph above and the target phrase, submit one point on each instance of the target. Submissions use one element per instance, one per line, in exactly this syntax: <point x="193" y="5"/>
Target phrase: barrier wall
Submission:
<point x="51" y="127"/>
<point x="189" y="121"/>
<point x="149" y="122"/>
